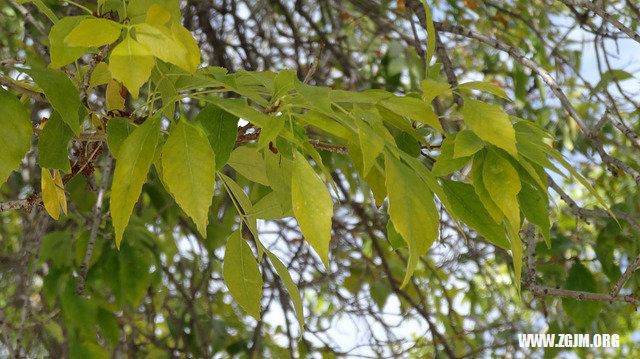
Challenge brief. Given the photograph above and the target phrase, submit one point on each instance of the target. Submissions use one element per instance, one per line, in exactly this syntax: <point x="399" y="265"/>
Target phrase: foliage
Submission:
<point x="167" y="180"/>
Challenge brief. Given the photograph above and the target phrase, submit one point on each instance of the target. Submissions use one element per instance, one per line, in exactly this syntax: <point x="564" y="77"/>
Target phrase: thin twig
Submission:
<point x="97" y="219"/>
<point x="605" y="15"/>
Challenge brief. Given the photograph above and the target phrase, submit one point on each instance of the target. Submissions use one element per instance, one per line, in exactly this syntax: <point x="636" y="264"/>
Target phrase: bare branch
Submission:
<point x="605" y="15"/>
<point x="97" y="219"/>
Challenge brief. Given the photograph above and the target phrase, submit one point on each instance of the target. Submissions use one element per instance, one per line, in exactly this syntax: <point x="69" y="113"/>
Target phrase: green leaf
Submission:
<point x="270" y="132"/>
<point x="491" y="124"/>
<point x="467" y="206"/>
<point x="15" y="134"/>
<point x="503" y="184"/>
<point x="100" y="75"/>
<point x="611" y="76"/>
<point x="133" y="275"/>
<point x="485" y="87"/>
<point x="371" y="145"/>
<point x="118" y="129"/>
<point x="134" y="160"/>
<point x="61" y="93"/>
<point x="278" y="169"/>
<point x="467" y="144"/>
<point x="269" y="207"/>
<point x="413" y="108"/>
<point x="431" y="33"/>
<point x="312" y="206"/>
<point x="93" y="32"/>
<point x="581" y="312"/>
<point x="221" y="128"/>
<point x="294" y="293"/>
<point x="248" y="162"/>
<point x="131" y="63"/>
<point x="189" y="169"/>
<point x="412" y="211"/>
<point x="516" y="252"/>
<point x="60" y="53"/>
<point x="379" y="292"/>
<point x="242" y="275"/>
<point x="394" y="238"/>
<point x="53" y="144"/>
<point x="446" y="163"/>
<point x="533" y="204"/>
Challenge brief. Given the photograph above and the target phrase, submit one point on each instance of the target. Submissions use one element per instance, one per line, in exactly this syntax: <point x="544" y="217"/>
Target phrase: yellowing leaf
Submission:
<point x="481" y="190"/>
<point x="100" y="75"/>
<point x="189" y="169"/>
<point x="312" y="206"/>
<point x="15" y="134"/>
<point x="503" y="184"/>
<point x="466" y="144"/>
<point x="184" y="37"/>
<point x="113" y="96"/>
<point x="62" y="197"/>
<point x="248" y="162"/>
<point x="412" y="211"/>
<point x="49" y="194"/>
<point x="432" y="89"/>
<point x="131" y="64"/>
<point x="242" y="275"/>
<point x="157" y="15"/>
<point x="491" y="124"/>
<point x="93" y="32"/>
<point x="413" y="108"/>
<point x="163" y="44"/>
<point x="489" y="87"/>
<point x="134" y="159"/>
<point x="371" y="145"/>
<point x="60" y="53"/>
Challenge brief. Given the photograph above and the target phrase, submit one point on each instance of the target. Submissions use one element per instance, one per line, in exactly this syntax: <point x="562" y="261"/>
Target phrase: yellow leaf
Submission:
<point x="184" y="37"/>
<point x="157" y="15"/>
<point x="503" y="184"/>
<point x="131" y="64"/>
<point x="169" y="45"/>
<point x="491" y="124"/>
<point x="49" y="194"/>
<point x="62" y="197"/>
<point x="114" y="98"/>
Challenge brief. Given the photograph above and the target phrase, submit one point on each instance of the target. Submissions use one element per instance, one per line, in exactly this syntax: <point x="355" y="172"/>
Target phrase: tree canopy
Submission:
<point x="296" y="178"/>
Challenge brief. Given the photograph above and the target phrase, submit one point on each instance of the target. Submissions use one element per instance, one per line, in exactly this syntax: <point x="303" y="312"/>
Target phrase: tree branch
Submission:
<point x="97" y="219"/>
<point x="605" y="15"/>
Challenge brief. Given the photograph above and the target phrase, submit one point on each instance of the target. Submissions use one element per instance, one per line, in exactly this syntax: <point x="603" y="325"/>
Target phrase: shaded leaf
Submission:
<point x="242" y="275"/>
<point x="134" y="160"/>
